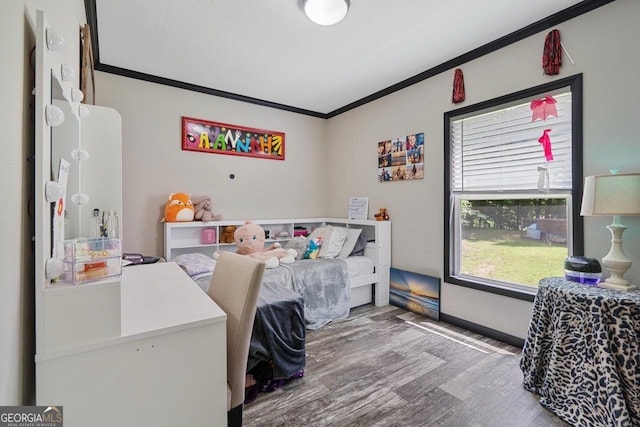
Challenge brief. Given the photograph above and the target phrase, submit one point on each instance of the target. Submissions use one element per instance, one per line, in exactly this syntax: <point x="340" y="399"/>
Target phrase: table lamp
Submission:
<point x="615" y="195"/>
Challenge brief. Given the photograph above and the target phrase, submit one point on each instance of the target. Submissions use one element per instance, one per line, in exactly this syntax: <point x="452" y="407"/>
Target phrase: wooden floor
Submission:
<point x="384" y="366"/>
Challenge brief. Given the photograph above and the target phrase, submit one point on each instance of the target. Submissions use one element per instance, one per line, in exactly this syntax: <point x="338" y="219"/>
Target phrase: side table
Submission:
<point x="582" y="353"/>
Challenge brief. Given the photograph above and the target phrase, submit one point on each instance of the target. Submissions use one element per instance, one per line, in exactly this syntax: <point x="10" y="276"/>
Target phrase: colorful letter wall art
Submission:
<point x="223" y="138"/>
<point x="401" y="158"/>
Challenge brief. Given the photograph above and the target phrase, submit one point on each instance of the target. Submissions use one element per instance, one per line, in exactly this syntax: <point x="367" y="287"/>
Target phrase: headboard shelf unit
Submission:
<point x="186" y="237"/>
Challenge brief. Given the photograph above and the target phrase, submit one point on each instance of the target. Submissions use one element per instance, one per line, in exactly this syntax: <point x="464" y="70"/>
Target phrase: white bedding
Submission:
<point x="359" y="265"/>
<point x="356" y="266"/>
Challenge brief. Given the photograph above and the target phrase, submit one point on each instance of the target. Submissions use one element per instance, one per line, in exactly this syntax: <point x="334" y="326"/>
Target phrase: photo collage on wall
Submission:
<point x="401" y="158"/>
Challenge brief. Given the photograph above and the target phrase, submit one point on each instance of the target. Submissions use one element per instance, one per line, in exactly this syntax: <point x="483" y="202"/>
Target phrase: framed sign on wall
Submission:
<point x="223" y="138"/>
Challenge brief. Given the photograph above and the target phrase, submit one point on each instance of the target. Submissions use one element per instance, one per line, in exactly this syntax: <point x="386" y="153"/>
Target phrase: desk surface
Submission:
<point x="161" y="296"/>
<point x="166" y="368"/>
<point x="154" y="299"/>
<point x="582" y="353"/>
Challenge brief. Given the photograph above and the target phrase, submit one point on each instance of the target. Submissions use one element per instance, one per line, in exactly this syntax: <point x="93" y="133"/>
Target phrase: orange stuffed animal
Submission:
<point x="178" y="208"/>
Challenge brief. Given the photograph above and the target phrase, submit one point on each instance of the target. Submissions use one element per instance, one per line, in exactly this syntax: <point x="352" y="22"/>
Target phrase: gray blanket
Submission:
<point x="324" y="285"/>
<point x="278" y="336"/>
<point x="307" y="293"/>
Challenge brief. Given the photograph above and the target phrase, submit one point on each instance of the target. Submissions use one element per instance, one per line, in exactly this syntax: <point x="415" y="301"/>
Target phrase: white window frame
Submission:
<point x="452" y="235"/>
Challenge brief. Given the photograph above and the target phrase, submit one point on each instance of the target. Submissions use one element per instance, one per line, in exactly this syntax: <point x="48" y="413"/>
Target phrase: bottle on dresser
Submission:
<point x="105" y="224"/>
<point x="111" y="224"/>
<point x="95" y="224"/>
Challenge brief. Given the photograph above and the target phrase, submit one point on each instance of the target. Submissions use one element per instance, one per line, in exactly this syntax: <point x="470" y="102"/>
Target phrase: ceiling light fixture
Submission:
<point x="326" y="12"/>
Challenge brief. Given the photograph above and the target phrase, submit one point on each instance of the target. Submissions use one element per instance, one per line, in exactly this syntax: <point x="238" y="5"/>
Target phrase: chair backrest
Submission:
<point x="234" y="286"/>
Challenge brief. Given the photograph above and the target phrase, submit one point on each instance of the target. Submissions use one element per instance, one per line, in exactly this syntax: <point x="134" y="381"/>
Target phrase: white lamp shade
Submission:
<point x="611" y="195"/>
<point x="326" y="12"/>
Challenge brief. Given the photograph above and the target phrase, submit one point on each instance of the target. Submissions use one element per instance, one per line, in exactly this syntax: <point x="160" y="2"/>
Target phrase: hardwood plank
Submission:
<point x="384" y="366"/>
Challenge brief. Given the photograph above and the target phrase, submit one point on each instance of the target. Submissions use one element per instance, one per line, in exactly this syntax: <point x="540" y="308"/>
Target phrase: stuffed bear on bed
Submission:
<point x="250" y="238"/>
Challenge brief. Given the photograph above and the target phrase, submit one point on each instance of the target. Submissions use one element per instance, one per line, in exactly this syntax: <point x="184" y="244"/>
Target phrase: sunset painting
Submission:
<point x="415" y="292"/>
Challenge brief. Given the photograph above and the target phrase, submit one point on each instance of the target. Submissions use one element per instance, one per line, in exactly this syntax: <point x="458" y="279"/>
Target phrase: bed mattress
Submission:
<point x="356" y="266"/>
<point x="359" y="265"/>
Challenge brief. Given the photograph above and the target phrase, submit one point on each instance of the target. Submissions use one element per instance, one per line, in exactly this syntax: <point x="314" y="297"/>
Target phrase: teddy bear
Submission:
<point x="250" y="238"/>
<point x="203" y="207"/>
<point x="382" y="215"/>
<point x="178" y="208"/>
<point x="226" y="234"/>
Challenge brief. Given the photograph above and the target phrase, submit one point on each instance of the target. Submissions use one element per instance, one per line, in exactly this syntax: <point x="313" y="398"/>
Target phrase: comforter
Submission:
<point x="307" y="294"/>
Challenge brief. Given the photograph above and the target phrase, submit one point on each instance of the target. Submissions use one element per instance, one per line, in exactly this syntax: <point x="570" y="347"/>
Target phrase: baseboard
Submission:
<point x="483" y="330"/>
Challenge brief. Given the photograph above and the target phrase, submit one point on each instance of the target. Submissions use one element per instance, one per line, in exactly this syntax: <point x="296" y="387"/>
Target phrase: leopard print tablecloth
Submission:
<point x="582" y="354"/>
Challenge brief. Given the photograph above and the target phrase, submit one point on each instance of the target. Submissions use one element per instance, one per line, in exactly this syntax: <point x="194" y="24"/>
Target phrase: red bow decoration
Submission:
<point x="458" y="87"/>
<point x="543" y="108"/>
<point x="546" y="144"/>
<point x="552" y="53"/>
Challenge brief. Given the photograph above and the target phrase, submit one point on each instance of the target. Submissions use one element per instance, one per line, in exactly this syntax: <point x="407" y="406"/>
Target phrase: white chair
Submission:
<point x="234" y="286"/>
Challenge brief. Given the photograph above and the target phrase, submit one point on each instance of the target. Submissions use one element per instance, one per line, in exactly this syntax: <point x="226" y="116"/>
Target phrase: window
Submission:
<point x="512" y="188"/>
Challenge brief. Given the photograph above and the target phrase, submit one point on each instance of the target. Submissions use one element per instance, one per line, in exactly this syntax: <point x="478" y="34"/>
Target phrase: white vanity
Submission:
<point x="144" y="348"/>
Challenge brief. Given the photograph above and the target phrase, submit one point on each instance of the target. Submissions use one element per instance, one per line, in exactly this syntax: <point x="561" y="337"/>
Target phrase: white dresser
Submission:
<point x="166" y="368"/>
<point x="147" y="348"/>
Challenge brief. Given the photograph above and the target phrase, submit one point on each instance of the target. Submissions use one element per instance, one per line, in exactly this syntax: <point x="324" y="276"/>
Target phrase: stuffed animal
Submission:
<point x="178" y="208"/>
<point x="249" y="239"/>
<point x="203" y="209"/>
<point x="382" y="215"/>
<point x="299" y="244"/>
<point x="226" y="234"/>
<point x="313" y="248"/>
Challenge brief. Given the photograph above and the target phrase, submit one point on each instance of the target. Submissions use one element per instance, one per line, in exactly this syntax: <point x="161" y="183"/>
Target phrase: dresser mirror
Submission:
<point x="65" y="147"/>
<point x="89" y="140"/>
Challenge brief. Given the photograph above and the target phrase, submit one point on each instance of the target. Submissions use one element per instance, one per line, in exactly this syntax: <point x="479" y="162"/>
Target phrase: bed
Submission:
<point x="306" y="294"/>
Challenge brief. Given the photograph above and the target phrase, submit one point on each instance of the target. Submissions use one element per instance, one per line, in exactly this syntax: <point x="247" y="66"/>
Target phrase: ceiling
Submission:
<point x="268" y="52"/>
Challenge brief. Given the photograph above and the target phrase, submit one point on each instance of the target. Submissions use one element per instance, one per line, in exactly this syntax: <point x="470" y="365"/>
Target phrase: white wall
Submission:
<point x="154" y="164"/>
<point x="603" y="44"/>
<point x="17" y="37"/>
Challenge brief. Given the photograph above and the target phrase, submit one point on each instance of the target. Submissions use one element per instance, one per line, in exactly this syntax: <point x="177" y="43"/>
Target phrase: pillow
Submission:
<point x="195" y="263"/>
<point x="324" y="233"/>
<point x="349" y="242"/>
<point x="332" y="248"/>
<point x="299" y="243"/>
<point x="361" y="244"/>
<point x="313" y="250"/>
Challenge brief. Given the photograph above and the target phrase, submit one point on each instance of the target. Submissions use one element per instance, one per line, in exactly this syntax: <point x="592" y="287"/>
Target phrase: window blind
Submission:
<point x="499" y="150"/>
